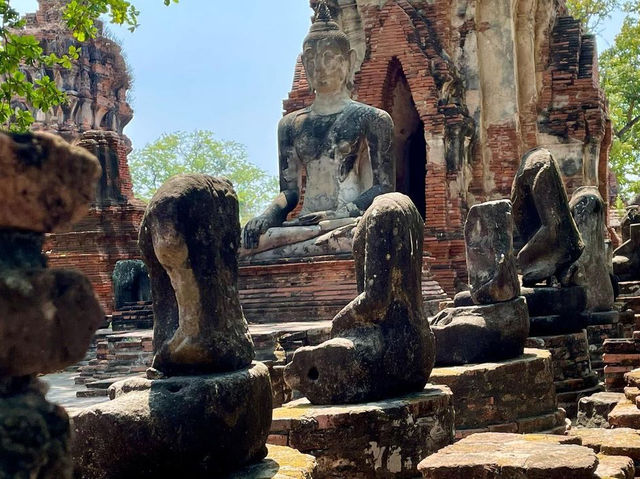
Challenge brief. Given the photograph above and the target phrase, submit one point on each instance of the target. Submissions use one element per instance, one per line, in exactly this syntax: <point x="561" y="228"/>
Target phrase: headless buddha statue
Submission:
<point x="344" y="147"/>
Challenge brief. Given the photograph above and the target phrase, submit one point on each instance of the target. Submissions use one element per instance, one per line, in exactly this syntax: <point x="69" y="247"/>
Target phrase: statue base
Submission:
<point x="554" y="311"/>
<point x="183" y="426"/>
<point x="600" y="327"/>
<point x="281" y="463"/>
<point x="495" y="456"/>
<point x="515" y="395"/>
<point x="594" y="410"/>
<point x="628" y="302"/>
<point x="573" y="376"/>
<point x="34" y="433"/>
<point x="309" y="289"/>
<point x="372" y="440"/>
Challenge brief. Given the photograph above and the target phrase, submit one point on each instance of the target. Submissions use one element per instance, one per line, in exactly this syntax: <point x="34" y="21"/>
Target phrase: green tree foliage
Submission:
<point x="18" y="50"/>
<point x="592" y="13"/>
<point x="620" y="76"/>
<point x="620" y="79"/>
<point x="200" y="152"/>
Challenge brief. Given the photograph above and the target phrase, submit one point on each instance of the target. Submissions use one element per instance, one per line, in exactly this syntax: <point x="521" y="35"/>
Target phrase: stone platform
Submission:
<point x="594" y="410"/>
<point x="611" y="442"/>
<point x="133" y="316"/>
<point x="182" y="426"/>
<point x="615" y="467"/>
<point x="312" y="289"/>
<point x="626" y="414"/>
<point x="515" y="395"/>
<point x="281" y="463"/>
<point x="373" y="440"/>
<point x="573" y="376"/>
<point x="494" y="456"/>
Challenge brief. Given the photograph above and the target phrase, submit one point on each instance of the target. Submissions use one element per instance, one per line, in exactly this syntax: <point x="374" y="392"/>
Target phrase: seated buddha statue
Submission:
<point x="343" y="146"/>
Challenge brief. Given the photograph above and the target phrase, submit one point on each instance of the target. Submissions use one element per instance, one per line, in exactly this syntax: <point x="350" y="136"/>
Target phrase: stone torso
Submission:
<point x="333" y="150"/>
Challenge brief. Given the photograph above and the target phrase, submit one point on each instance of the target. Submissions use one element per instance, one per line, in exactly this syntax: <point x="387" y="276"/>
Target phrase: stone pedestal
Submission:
<point x="573" y="376"/>
<point x="133" y="316"/>
<point x="184" y="426"/>
<point x="620" y="357"/>
<point x="34" y="433"/>
<point x="495" y="456"/>
<point x="313" y="289"/>
<point x="628" y="303"/>
<point x="627" y="412"/>
<point x="372" y="440"/>
<point x="515" y="395"/>
<point x="625" y="415"/>
<point x="600" y="327"/>
<point x="555" y="311"/>
<point x="281" y="463"/>
<point x="593" y="411"/>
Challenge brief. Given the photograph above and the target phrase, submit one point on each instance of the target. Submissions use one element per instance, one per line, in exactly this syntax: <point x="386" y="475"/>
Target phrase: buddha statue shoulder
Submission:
<point x="343" y="146"/>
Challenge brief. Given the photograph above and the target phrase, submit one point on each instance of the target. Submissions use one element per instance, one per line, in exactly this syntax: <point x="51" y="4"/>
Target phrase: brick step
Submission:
<point x="91" y="393"/>
<point x="632" y="378"/>
<point x="554" y="421"/>
<point x="292" y="302"/>
<point x="625" y="414"/>
<point x="631" y="393"/>
<point x="576" y="384"/>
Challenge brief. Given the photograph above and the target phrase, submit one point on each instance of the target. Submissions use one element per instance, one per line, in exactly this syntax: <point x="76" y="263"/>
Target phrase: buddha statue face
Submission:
<point x="327" y="55"/>
<point x="328" y="63"/>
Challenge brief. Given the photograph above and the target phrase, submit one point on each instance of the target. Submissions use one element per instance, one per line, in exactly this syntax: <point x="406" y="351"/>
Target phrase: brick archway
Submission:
<point x="409" y="145"/>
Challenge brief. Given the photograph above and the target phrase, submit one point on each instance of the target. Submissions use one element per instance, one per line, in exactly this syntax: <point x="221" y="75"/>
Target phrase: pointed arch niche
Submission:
<point x="409" y="145"/>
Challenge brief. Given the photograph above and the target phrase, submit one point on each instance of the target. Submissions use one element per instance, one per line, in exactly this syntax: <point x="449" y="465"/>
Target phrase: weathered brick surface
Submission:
<point x="381" y="439"/>
<point x="311" y="290"/>
<point x="516" y="395"/>
<point x="573" y="376"/>
<point x="106" y="236"/>
<point x="132" y="316"/>
<point x="596" y="336"/>
<point x="620" y="356"/>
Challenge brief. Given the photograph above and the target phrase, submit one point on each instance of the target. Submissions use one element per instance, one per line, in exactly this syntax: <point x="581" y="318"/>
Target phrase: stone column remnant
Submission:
<point x="190" y="247"/>
<point x="131" y="282"/>
<point x="626" y="259"/>
<point x="381" y="343"/>
<point x="488" y="234"/>
<point x="592" y="272"/>
<point x="541" y="213"/>
<point x="47" y="317"/>
<point x="491" y="321"/>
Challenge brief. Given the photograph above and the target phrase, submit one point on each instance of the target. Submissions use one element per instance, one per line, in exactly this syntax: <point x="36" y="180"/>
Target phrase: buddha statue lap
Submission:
<point x="343" y="145"/>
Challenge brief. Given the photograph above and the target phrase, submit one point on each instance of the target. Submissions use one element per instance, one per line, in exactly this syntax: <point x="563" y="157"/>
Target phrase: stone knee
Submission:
<point x="332" y="372"/>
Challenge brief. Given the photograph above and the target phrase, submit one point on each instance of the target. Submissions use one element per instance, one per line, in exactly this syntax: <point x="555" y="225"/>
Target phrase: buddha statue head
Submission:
<point x="327" y="55"/>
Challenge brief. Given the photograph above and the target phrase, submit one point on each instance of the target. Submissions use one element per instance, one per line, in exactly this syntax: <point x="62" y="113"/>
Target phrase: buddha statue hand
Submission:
<point x="255" y="227"/>
<point x="350" y="210"/>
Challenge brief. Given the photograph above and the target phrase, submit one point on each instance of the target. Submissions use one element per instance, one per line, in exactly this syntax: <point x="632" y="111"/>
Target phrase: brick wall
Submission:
<point x="109" y="233"/>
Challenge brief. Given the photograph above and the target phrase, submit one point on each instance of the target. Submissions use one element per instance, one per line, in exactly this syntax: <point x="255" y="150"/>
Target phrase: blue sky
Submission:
<point x="220" y="66"/>
<point x="212" y="65"/>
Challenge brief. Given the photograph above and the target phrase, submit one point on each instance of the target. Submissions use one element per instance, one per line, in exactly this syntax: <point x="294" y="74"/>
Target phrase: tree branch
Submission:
<point x="625" y="129"/>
